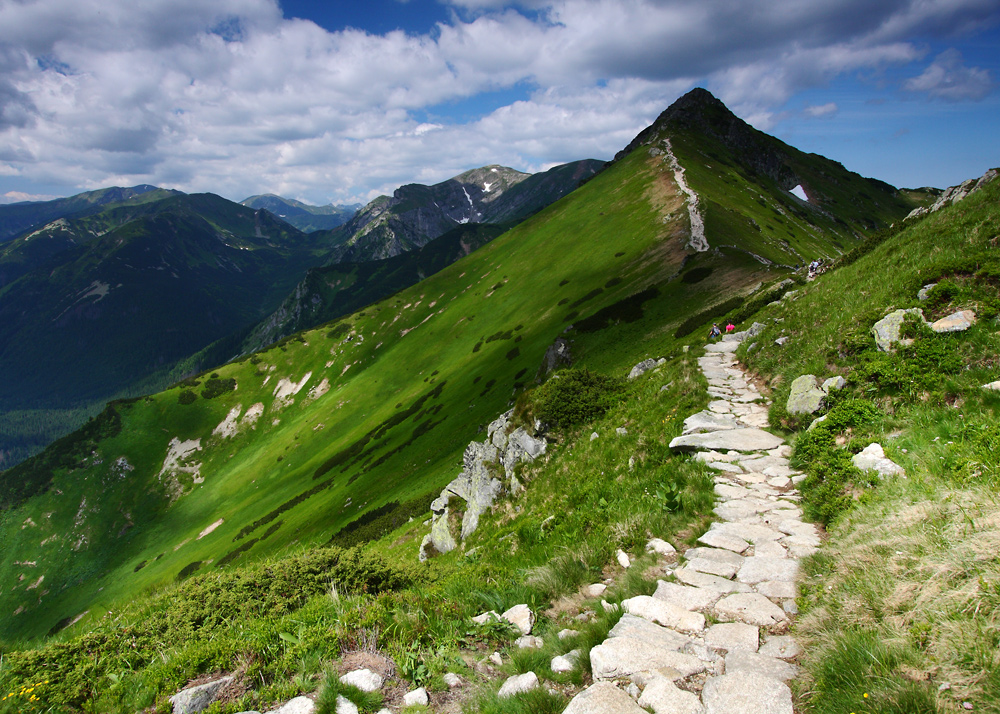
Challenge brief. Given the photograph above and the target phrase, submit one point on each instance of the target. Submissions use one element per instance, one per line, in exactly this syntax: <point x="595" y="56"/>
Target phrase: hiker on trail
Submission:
<point x="714" y="332"/>
<point x="730" y="327"/>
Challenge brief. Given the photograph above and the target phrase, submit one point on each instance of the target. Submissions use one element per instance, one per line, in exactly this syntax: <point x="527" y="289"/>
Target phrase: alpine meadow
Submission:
<point x="498" y="394"/>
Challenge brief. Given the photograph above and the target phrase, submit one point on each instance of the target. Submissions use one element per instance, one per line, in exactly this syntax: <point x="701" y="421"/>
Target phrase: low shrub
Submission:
<point x="573" y="397"/>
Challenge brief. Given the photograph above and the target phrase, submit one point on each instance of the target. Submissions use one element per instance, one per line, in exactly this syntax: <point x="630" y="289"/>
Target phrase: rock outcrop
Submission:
<point x="886" y="330"/>
<point x="955" y="194"/>
<point x="488" y="471"/>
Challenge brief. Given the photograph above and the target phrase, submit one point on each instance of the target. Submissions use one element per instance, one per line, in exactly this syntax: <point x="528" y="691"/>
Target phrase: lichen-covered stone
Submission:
<point x="805" y="396"/>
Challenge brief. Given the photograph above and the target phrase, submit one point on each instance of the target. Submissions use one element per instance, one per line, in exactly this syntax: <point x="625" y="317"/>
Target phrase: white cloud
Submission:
<point x="18" y="196"/>
<point x="230" y="97"/>
<point x="948" y="78"/>
<point x="820" y="110"/>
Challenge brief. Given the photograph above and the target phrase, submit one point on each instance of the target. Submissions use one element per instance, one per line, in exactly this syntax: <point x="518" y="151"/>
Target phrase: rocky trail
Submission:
<point x="716" y="640"/>
<point x="713" y="638"/>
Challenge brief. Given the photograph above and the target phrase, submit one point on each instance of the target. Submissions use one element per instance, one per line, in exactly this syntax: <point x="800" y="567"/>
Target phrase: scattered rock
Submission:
<point x="566" y="662"/>
<point x="529" y="642"/>
<point x="344" y="706"/>
<point x="485" y="617"/>
<point x="657" y="545"/>
<point x="833" y="384"/>
<point x="641" y="368"/>
<point x="596" y="589"/>
<point x="452" y="680"/>
<point x="496" y="659"/>
<point x="195" y="699"/>
<point x="594" y="435"/>
<point x="956" y="322"/>
<point x="782" y="340"/>
<point x="995" y="386"/>
<point x="567" y="633"/>
<point x="621" y="431"/>
<point x="805" y="397"/>
<point x="364" y="679"/>
<point x="518" y="684"/>
<point x="305" y="705"/>
<point x="873" y="458"/>
<point x="924" y="292"/>
<point x="418" y="697"/>
<point x="886" y="330"/>
<point x="623" y="560"/>
<point x="521" y="617"/>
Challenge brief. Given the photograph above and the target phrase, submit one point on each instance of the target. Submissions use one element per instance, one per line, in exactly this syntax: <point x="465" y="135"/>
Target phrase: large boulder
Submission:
<point x="806" y="396"/>
<point x="487" y="472"/>
<point x="886" y="330"/>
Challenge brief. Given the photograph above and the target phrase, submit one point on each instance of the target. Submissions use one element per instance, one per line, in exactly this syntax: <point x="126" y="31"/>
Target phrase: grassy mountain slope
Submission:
<point x="354" y="416"/>
<point x="302" y="215"/>
<point x="332" y="291"/>
<point x="17" y="218"/>
<point x="109" y="303"/>
<point x="908" y="587"/>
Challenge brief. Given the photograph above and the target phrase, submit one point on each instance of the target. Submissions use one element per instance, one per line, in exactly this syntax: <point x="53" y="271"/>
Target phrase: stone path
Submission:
<point x="664" y="654"/>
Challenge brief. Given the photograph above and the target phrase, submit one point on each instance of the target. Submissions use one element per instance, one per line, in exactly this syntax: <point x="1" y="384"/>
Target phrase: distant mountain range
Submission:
<point x="301" y="215"/>
<point x="119" y="292"/>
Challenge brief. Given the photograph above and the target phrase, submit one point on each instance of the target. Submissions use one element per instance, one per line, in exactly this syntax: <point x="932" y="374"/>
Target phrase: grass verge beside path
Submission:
<point x="901" y="607"/>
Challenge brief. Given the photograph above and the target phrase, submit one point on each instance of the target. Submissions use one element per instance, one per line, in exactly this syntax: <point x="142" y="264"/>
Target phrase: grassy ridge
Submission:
<point x="905" y="606"/>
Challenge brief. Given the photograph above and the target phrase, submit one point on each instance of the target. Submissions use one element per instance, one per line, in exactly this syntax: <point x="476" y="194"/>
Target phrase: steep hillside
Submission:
<point x="17" y="218"/>
<point x="415" y="213"/>
<point x="105" y="305"/>
<point x="289" y="445"/>
<point x="302" y="215"/>
<point x="327" y="293"/>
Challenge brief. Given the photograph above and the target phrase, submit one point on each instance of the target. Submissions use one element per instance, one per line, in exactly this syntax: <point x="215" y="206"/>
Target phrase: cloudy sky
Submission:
<point x="339" y="100"/>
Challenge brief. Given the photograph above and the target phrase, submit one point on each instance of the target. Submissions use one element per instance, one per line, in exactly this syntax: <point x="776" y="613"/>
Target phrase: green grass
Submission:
<point x="903" y="597"/>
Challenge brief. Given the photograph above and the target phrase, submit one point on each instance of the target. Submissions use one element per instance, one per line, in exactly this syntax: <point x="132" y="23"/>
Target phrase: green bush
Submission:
<point x="186" y="397"/>
<point x="216" y="387"/>
<point x="574" y="397"/>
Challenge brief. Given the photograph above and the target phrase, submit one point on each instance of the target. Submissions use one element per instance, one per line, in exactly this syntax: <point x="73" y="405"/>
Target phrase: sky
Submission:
<point x="339" y="101"/>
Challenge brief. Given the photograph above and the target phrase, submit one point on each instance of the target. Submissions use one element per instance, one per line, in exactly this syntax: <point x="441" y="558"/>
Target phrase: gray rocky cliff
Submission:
<point x="487" y="473"/>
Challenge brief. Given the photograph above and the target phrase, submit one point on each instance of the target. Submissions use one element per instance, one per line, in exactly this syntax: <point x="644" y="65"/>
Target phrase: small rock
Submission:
<point x="518" y="684"/>
<point x="623" y="559"/>
<point x="566" y="662"/>
<point x="496" y="659"/>
<point x="416" y="698"/>
<point x="195" y="699"/>
<point x="956" y="322"/>
<point x="781" y="340"/>
<point x="364" y="679"/>
<point x="633" y="691"/>
<point x="886" y="330"/>
<point x="566" y="634"/>
<point x="485" y="617"/>
<point x="305" y="705"/>
<point x="521" y="617"/>
<point x="657" y="545"/>
<point x="924" y="292"/>
<point x="805" y="397"/>
<point x="529" y="642"/>
<point x="596" y="589"/>
<point x="594" y="435"/>
<point x="452" y="680"/>
<point x="833" y="384"/>
<point x="621" y="431"/>
<point x="642" y="368"/>
<point x="994" y="386"/>
<point x="873" y="458"/>
<point x="344" y="706"/>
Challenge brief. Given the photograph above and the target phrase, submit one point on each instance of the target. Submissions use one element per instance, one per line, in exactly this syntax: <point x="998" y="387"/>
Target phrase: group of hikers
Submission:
<point x="716" y="331"/>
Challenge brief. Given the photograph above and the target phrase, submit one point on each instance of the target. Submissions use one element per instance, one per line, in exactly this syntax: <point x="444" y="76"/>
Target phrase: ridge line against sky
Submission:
<point x="342" y="101"/>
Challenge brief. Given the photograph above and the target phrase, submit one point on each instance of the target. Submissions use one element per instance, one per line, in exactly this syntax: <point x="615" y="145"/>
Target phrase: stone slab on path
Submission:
<point x="733" y="439"/>
<point x="664" y="613"/>
<point x="743" y="661"/>
<point x="641" y="629"/>
<point x="746" y="693"/>
<point x="686" y="596"/>
<point x="664" y="697"/>
<point x="624" y="656"/>
<point x="751" y="608"/>
<point x="603" y="698"/>
<point x="730" y="636"/>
